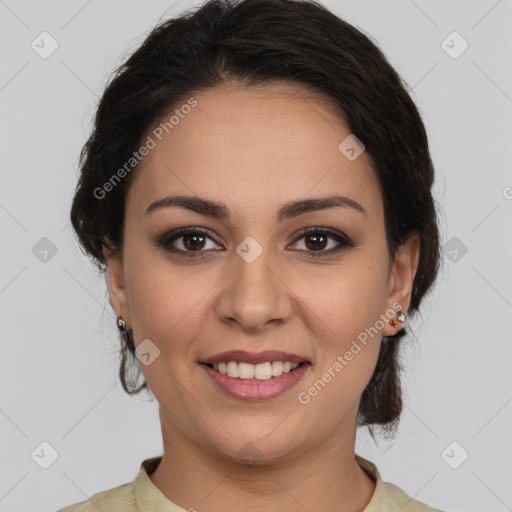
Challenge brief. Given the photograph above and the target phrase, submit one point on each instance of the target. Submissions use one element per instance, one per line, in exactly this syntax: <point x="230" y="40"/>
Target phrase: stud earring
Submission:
<point x="121" y="324"/>
<point x="127" y="335"/>
<point x="400" y="316"/>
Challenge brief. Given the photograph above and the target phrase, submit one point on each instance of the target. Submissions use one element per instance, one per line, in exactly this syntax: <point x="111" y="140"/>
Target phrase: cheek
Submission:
<point x="167" y="302"/>
<point x="347" y="349"/>
<point x="167" y="307"/>
<point x="348" y="297"/>
<point x="349" y="303"/>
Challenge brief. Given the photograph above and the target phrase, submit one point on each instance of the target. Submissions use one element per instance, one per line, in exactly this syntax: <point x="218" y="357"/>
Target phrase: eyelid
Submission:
<point x="164" y="241"/>
<point x="341" y="239"/>
<point x="324" y="230"/>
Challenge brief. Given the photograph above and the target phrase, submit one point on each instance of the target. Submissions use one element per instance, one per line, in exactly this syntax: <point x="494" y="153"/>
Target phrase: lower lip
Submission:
<point x="247" y="389"/>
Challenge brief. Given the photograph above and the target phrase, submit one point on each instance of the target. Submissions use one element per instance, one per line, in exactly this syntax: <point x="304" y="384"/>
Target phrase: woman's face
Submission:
<point x="250" y="280"/>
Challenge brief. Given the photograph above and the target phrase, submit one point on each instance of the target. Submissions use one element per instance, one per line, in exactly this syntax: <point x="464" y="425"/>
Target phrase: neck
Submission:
<point x="325" y="477"/>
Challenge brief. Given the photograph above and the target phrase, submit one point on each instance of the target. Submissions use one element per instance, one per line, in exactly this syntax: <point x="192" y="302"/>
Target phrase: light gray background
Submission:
<point x="59" y="359"/>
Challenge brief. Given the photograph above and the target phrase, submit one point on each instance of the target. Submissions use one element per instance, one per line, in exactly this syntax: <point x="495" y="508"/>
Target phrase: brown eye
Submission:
<point x="187" y="242"/>
<point x="317" y="240"/>
<point x="194" y="241"/>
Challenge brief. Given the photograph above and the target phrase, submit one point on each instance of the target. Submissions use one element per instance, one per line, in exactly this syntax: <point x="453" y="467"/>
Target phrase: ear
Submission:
<point x="116" y="283"/>
<point x="401" y="278"/>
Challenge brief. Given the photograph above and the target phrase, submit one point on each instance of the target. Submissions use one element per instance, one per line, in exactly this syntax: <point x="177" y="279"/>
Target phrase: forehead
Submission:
<point x="254" y="146"/>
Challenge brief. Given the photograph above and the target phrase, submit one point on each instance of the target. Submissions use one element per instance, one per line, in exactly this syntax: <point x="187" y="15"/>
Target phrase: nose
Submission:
<point x="255" y="295"/>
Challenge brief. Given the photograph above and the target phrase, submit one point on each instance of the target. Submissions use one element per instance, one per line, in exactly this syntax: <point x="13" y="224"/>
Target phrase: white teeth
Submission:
<point x="277" y="368"/>
<point x="261" y="371"/>
<point x="233" y="370"/>
<point x="245" y="370"/>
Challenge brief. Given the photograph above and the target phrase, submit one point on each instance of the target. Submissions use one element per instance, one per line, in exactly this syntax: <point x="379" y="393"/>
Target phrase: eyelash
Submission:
<point x="166" y="240"/>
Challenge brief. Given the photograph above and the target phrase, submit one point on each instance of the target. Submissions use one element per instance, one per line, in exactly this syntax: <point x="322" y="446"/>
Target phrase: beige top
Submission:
<point x="143" y="495"/>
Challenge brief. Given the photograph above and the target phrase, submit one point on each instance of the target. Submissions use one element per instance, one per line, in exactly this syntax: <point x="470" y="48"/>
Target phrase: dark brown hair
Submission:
<point x="257" y="42"/>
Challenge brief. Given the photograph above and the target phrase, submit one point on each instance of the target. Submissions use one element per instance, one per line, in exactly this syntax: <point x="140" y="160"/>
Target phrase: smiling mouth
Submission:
<point x="261" y="371"/>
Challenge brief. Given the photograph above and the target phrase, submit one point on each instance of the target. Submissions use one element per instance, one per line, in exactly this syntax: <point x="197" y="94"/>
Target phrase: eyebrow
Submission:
<point x="290" y="210"/>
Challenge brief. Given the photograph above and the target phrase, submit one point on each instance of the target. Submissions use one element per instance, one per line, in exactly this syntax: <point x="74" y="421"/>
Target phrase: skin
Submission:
<point x="255" y="149"/>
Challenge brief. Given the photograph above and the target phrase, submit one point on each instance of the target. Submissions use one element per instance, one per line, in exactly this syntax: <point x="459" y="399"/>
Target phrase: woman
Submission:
<point x="258" y="186"/>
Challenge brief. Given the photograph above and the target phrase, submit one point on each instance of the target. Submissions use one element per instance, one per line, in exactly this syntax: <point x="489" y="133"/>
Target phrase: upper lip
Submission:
<point x="242" y="356"/>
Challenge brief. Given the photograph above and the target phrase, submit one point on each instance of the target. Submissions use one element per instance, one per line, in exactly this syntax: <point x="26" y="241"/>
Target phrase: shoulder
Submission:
<point x="388" y="497"/>
<point x="397" y="499"/>
<point x="118" y="499"/>
<point x="130" y="497"/>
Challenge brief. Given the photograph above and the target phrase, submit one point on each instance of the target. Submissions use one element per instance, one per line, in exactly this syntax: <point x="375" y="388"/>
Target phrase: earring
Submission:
<point x="121" y="324"/>
<point x="128" y="335"/>
<point x="400" y="317"/>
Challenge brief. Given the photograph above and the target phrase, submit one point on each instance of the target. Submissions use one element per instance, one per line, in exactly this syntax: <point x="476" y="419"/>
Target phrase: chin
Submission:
<point x="254" y="451"/>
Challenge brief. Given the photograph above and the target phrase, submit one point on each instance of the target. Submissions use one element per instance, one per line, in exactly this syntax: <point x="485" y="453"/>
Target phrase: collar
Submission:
<point x="149" y="497"/>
